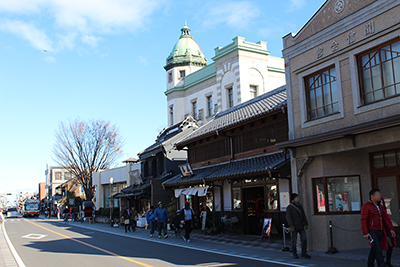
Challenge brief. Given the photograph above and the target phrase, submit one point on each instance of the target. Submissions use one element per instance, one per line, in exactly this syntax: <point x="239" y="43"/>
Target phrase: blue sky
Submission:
<point x="105" y="60"/>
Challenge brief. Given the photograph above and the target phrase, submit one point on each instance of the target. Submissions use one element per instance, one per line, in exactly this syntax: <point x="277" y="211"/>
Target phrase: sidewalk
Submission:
<point x="246" y="245"/>
<point x="6" y="257"/>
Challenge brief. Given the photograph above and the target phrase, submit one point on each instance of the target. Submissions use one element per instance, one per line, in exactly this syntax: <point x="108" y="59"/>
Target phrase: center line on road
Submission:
<point x="89" y="245"/>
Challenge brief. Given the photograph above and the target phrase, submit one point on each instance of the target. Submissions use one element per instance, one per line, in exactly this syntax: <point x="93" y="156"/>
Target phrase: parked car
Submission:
<point x="12" y="213"/>
<point x="5" y="212"/>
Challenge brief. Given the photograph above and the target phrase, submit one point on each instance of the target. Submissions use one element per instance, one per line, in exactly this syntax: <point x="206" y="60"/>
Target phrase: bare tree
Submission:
<point x="85" y="147"/>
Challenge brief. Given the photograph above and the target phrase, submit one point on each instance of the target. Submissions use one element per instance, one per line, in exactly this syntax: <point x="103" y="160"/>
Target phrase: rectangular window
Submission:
<point x="230" y="97"/>
<point x="171" y="115"/>
<point x="170" y="77"/>
<point x="388" y="159"/>
<point x="58" y="176"/>
<point x="380" y="73"/>
<point x="337" y="194"/>
<point x="194" y="109"/>
<point x="182" y="73"/>
<point x="67" y="176"/>
<point x="210" y="111"/>
<point x="253" y="91"/>
<point x="237" y="200"/>
<point x="322" y="93"/>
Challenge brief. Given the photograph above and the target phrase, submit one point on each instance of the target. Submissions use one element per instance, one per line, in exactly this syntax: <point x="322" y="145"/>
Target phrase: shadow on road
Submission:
<point x="132" y="248"/>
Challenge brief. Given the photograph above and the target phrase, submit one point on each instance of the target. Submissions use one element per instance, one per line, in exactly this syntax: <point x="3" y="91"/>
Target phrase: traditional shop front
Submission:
<point x="233" y="162"/>
<point x="246" y="190"/>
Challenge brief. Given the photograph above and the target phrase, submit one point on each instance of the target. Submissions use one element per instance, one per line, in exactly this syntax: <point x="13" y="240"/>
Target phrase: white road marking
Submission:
<point x="13" y="251"/>
<point x="34" y="236"/>
<point x="196" y="248"/>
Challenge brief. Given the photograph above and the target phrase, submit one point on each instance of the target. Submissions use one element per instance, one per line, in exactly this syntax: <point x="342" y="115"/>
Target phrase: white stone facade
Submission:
<point x="240" y="66"/>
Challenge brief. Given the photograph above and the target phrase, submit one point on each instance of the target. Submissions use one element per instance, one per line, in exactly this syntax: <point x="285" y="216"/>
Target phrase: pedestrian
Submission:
<point x="133" y="217"/>
<point x="162" y="219"/>
<point x="177" y="222"/>
<point x="125" y="219"/>
<point x="66" y="214"/>
<point x="298" y="224"/>
<point x="1" y="216"/>
<point x="151" y="220"/>
<point x="187" y="215"/>
<point x="58" y="212"/>
<point x="75" y="210"/>
<point x="388" y="242"/>
<point x="374" y="219"/>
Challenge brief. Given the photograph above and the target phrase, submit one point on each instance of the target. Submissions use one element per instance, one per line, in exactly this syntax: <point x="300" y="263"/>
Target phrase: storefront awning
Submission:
<point x="230" y="170"/>
<point x="200" y="191"/>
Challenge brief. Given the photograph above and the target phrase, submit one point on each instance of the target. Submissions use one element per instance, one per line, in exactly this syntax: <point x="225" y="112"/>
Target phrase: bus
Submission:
<point x="31" y="208"/>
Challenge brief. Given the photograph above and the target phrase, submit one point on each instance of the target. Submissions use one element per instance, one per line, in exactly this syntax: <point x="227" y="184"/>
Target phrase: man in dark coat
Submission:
<point x="298" y="223"/>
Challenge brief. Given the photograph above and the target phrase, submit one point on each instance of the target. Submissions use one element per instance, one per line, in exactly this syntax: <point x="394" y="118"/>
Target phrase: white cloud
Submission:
<point x="296" y="4"/>
<point x="143" y="61"/>
<point x="234" y="14"/>
<point x="49" y="60"/>
<point x="76" y="18"/>
<point x="28" y="31"/>
<point x="90" y="40"/>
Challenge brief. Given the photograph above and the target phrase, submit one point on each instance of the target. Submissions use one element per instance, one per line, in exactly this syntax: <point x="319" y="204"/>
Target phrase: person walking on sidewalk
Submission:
<point x="298" y="223"/>
<point x="388" y="242"/>
<point x="125" y="218"/>
<point x="151" y="220"/>
<point x="133" y="217"/>
<point x="66" y="214"/>
<point x="162" y="219"/>
<point x="373" y="220"/>
<point x="1" y="216"/>
<point x="187" y="215"/>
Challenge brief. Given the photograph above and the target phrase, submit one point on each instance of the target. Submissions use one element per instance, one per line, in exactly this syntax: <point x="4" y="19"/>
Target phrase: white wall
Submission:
<point x="119" y="174"/>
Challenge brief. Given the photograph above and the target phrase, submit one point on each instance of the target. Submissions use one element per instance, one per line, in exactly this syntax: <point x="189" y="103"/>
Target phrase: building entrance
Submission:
<point x="253" y="209"/>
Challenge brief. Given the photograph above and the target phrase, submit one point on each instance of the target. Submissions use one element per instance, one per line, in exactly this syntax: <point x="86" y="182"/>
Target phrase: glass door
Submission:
<point x="389" y="187"/>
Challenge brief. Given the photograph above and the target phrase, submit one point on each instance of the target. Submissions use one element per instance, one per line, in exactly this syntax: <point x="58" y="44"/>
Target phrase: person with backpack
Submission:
<point x="188" y="218"/>
<point x="177" y="222"/>
<point x="298" y="224"/>
<point x="151" y="220"/>
<point x="374" y="219"/>
<point x="162" y="219"/>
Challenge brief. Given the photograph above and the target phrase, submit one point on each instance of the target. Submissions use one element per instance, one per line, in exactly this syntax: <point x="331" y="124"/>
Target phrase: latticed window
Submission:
<point x="322" y="93"/>
<point x="380" y="73"/>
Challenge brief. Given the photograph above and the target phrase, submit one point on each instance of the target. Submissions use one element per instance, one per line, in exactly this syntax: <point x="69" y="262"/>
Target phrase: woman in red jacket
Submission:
<point x="374" y="219"/>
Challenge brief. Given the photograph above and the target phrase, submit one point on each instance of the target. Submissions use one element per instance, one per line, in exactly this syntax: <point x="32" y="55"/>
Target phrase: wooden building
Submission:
<point x="234" y="168"/>
<point x="158" y="162"/>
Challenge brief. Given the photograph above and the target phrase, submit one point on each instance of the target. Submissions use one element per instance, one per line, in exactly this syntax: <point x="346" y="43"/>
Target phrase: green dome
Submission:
<point x="186" y="52"/>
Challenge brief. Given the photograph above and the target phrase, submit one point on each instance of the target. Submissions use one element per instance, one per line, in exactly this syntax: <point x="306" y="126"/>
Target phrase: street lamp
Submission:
<point x="111" y="210"/>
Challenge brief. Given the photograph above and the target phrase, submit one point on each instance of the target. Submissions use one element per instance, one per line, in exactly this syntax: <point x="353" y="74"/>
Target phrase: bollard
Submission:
<point x="285" y="230"/>
<point x="331" y="249"/>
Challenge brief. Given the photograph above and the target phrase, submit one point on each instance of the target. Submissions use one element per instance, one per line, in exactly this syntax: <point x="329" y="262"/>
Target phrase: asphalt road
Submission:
<point x="45" y="243"/>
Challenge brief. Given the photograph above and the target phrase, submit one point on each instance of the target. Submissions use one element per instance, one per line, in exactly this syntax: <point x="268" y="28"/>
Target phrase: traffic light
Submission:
<point x="8" y="194"/>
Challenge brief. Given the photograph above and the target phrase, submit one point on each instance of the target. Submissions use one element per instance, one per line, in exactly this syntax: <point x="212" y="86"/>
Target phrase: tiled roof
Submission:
<point x="258" y="164"/>
<point x="238" y="114"/>
<point x="172" y="133"/>
<point x="135" y="188"/>
<point x="130" y="160"/>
